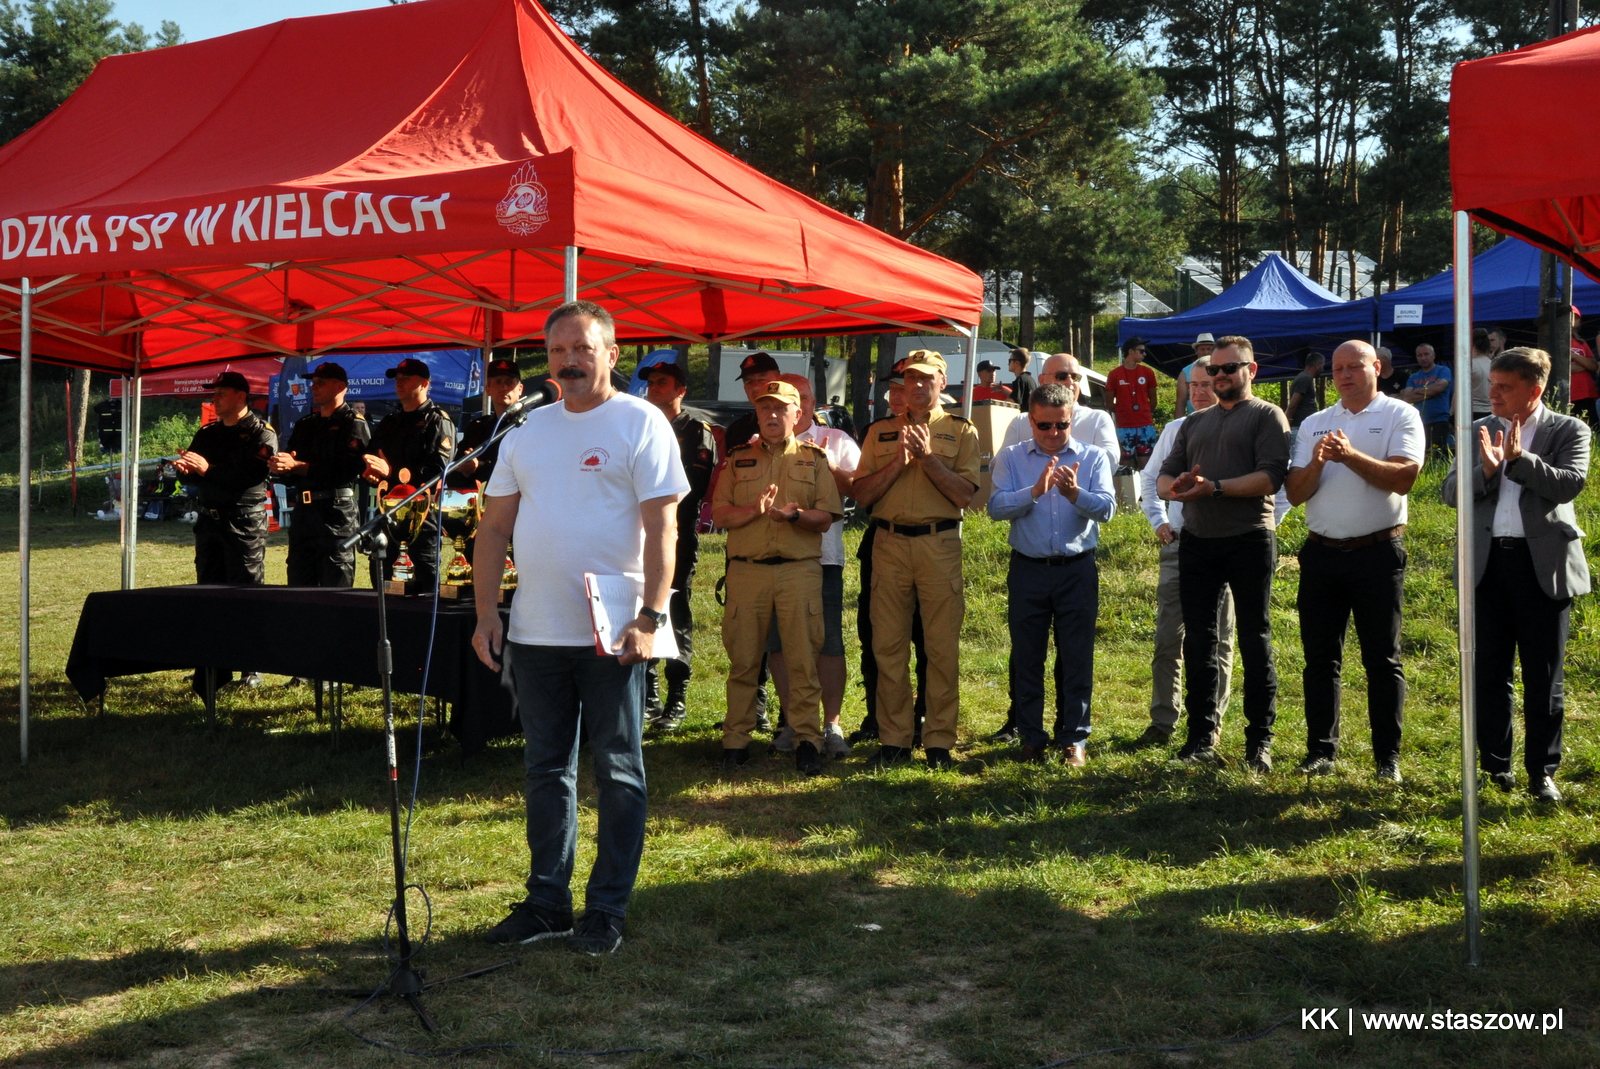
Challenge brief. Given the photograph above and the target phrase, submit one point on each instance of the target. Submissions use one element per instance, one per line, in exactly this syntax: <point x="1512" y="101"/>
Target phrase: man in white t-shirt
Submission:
<point x="843" y="456"/>
<point x="1353" y="466"/>
<point x="1089" y="425"/>
<point x="589" y="485"/>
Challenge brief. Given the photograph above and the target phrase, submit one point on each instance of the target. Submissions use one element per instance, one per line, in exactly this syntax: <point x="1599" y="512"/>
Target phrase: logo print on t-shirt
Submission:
<point x="593" y="459"/>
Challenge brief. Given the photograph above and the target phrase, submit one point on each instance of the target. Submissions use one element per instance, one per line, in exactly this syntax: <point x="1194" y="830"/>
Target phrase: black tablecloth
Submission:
<point x="308" y="632"/>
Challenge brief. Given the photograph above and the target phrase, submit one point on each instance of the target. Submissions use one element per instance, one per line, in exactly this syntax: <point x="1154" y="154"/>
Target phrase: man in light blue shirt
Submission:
<point x="1056" y="492"/>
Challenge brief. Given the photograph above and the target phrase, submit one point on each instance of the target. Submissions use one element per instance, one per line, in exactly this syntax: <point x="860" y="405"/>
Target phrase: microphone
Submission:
<point x="549" y="392"/>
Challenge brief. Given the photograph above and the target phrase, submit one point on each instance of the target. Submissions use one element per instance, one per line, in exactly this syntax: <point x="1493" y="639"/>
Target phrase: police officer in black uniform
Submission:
<point x="503" y="384"/>
<point x="227" y="464"/>
<point x="410" y="447"/>
<point x="755" y="371"/>
<point x="322" y="466"/>
<point x="698" y="449"/>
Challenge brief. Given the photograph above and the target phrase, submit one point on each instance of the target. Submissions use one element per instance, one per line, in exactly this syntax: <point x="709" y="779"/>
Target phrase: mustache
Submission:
<point x="571" y="373"/>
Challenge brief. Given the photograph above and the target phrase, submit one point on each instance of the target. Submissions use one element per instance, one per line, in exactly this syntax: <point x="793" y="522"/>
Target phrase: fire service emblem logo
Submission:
<point x="526" y="205"/>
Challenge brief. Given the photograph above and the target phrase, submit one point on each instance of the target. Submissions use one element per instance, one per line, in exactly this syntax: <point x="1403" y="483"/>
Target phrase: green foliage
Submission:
<point x="48" y="47"/>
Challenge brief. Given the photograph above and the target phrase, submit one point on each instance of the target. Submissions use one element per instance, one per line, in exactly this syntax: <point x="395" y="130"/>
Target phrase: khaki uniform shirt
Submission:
<point x="913" y="498"/>
<point x="800" y="471"/>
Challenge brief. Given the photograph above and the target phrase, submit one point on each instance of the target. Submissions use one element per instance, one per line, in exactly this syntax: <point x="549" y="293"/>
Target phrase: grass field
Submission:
<point x="154" y="874"/>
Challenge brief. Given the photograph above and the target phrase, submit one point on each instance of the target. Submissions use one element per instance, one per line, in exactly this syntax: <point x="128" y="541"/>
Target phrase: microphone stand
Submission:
<point x="405" y="982"/>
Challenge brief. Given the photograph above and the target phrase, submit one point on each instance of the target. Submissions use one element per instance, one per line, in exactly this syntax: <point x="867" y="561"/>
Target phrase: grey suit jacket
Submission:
<point x="1552" y="474"/>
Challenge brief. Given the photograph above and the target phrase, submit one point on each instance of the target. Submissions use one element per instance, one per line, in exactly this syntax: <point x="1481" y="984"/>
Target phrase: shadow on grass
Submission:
<point x="767" y="965"/>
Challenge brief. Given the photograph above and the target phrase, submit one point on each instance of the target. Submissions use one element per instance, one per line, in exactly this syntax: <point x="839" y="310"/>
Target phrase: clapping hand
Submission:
<point x="191" y="463"/>
<point x="279" y="463"/>
<point x="917" y="441"/>
<point x="1503" y="448"/>
<point x="1047" y="479"/>
<point x="765" y="503"/>
<point x="377" y="467"/>
<point x="1189" y="486"/>
<point x="1334" y="447"/>
<point x="1067" y="481"/>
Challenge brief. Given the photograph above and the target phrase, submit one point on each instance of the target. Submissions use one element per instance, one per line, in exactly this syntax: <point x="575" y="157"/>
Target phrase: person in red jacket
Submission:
<point x="1131" y="391"/>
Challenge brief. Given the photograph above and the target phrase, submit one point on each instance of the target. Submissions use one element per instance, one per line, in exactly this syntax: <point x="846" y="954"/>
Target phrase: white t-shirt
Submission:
<point x="1089" y="426"/>
<point x="1507" y="522"/>
<point x="581" y="477"/>
<point x="844" y="455"/>
<point x="1346" y="505"/>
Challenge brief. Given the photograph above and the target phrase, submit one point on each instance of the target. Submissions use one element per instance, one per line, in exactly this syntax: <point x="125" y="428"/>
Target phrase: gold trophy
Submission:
<point x="405" y="524"/>
<point x="458" y="515"/>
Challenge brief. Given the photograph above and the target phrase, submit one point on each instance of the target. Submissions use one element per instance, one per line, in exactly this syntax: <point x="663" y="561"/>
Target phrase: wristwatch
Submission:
<point x="1216" y="488"/>
<point x="655" y="618"/>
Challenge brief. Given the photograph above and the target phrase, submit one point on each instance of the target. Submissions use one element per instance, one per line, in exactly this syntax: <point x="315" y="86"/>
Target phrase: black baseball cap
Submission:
<point x="504" y="366"/>
<point x="897" y="374"/>
<point x="329" y="370"/>
<point x="757" y="364"/>
<point x="988" y="365"/>
<point x="411" y="366"/>
<point x="233" y="381"/>
<point x="666" y="367"/>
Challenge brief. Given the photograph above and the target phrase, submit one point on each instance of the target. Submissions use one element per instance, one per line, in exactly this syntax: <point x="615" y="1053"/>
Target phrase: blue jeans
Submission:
<point x="556" y="685"/>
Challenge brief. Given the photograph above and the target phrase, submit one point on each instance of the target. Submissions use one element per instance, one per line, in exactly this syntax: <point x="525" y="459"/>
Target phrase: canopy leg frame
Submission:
<point x="1465" y="623"/>
<point x="24" y="517"/>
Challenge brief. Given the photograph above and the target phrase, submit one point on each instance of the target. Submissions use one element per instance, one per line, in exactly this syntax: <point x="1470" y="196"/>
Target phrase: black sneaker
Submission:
<point x="1199" y="756"/>
<point x="939" y="758"/>
<point x="866" y="732"/>
<point x="1008" y="734"/>
<point x="1506" y="781"/>
<point x="598" y="933"/>
<point x="890" y="755"/>
<point x="1259" y="759"/>
<point x="1154" y="735"/>
<point x="807" y="760"/>
<point x="1544" y="789"/>
<point x="762" y="722"/>
<point x="529" y="923"/>
<point x="1314" y="765"/>
<point x="1388" y="770"/>
<point x="732" y="759"/>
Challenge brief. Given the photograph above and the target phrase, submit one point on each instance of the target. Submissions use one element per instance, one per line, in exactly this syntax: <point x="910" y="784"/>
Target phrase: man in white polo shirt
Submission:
<point x="1353" y="465"/>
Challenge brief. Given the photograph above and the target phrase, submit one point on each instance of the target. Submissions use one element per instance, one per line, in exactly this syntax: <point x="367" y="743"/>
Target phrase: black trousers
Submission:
<point x="231" y="547"/>
<point x="1367" y="584"/>
<point x="424" y="554"/>
<point x="869" y="661"/>
<point x="677" y="670"/>
<point x="1244" y="564"/>
<point x="315" y="531"/>
<point x="1042" y="600"/>
<point x="1516" y="621"/>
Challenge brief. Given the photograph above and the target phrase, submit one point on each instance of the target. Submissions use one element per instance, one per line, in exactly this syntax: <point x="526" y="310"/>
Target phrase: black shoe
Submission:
<point x="1007" y="734"/>
<point x="598" y="933"/>
<point x="1031" y="755"/>
<point x="1154" y="735"/>
<point x="807" y="760"/>
<point x="732" y="759"/>
<point x="529" y="923"/>
<point x="1388" y="770"/>
<point x="1314" y="765"/>
<point x="939" y="758"/>
<point x="1259" y="759"/>
<point x="890" y="755"/>
<point x="670" y="720"/>
<point x="866" y="732"/>
<point x="1198" y="756"/>
<point x="1506" y="781"/>
<point x="1544" y="789"/>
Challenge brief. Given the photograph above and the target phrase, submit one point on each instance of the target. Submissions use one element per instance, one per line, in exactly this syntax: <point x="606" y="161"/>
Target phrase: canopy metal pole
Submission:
<point x="972" y="371"/>
<point x="1466" y="452"/>
<point x="130" y="489"/>
<point x="25" y="454"/>
<point x="488" y="355"/>
<point x="122" y="503"/>
<point x="570" y="290"/>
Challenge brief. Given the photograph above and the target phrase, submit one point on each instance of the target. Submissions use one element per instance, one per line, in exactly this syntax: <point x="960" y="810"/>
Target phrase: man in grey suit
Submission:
<point x="1528" y="564"/>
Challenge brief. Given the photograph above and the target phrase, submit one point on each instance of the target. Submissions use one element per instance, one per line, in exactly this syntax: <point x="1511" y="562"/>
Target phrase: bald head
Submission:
<point x="1355" y="374"/>
<point x="1063" y="368"/>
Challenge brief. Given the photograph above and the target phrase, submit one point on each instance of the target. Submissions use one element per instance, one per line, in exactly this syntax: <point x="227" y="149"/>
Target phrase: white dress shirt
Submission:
<point x="1089" y="425"/>
<point x="1508" y="509"/>
<point x="844" y="455"/>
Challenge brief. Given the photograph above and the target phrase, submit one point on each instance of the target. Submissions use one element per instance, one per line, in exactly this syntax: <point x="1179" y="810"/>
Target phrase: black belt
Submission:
<point x="1050" y="562"/>
<point x="1345" y="545"/>
<point x="1508" y="543"/>
<point x="767" y="560"/>
<point x="917" y="530"/>
<point x="343" y="493"/>
<point x="233" y="510"/>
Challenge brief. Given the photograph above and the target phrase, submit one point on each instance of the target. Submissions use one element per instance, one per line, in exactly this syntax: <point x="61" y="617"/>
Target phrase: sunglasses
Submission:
<point x="1062" y="425"/>
<point x="1226" y="369"/>
<point x="1063" y="376"/>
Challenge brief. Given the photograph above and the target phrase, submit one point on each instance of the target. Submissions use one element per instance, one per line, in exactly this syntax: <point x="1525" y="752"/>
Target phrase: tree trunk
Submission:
<point x="702" y="78"/>
<point x="886" y="358"/>
<point x="1025" y="309"/>
<point x="713" y="371"/>
<point x="861" y="384"/>
<point x="80" y="415"/>
<point x="819" y="369"/>
<point x="1085" y="351"/>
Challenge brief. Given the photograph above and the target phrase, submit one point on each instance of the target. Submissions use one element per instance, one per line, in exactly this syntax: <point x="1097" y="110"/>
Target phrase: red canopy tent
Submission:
<point x="431" y="174"/>
<point x="196" y="382"/>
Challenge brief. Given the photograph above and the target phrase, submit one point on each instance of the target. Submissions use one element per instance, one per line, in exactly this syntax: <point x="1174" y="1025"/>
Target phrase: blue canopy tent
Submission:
<point x="1505" y="289"/>
<point x="1280" y="310"/>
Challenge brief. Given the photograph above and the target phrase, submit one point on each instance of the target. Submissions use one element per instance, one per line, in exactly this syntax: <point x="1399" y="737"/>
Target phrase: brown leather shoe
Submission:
<point x="1032" y="755"/>
<point x="1073" y="756"/>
